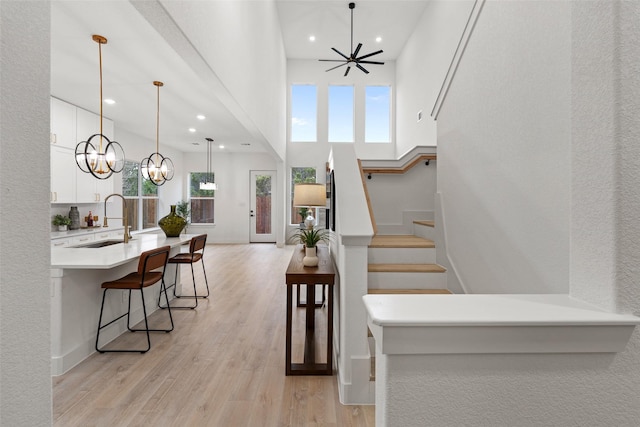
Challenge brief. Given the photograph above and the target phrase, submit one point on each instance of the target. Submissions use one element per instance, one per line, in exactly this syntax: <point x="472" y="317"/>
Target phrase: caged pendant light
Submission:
<point x="98" y="155"/>
<point x="209" y="184"/>
<point x="157" y="168"/>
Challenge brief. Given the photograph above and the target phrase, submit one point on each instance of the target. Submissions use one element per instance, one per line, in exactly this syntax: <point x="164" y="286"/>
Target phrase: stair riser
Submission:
<point x="402" y="255"/>
<point x="424" y="231"/>
<point x="386" y="280"/>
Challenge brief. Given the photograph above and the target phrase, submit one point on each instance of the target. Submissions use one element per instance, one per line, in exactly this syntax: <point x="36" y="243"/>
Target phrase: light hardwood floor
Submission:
<point x="223" y="365"/>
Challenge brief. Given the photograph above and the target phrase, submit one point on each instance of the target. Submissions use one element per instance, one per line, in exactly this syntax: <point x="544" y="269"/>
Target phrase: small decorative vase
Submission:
<point x="310" y="258"/>
<point x="172" y="224"/>
<point x="75" y="218"/>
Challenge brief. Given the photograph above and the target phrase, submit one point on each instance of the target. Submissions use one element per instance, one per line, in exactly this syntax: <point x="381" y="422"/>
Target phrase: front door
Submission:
<point x="262" y="206"/>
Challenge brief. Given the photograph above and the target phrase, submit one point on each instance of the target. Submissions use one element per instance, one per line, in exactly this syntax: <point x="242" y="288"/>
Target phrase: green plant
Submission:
<point x="311" y="237"/>
<point x="61" y="220"/>
<point x="303" y="214"/>
<point x="182" y="209"/>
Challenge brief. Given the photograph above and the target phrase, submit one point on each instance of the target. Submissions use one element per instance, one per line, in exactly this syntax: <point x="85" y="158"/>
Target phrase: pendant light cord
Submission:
<point x="100" y="61"/>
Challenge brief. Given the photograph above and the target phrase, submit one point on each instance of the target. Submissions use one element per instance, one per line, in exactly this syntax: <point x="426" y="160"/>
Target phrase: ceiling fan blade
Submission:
<point x="368" y="55"/>
<point x="355" y="52"/>
<point x="337" y="66"/>
<point x="362" y="68"/>
<point x="332" y="60"/>
<point x="347" y="72"/>
<point x="371" y="62"/>
<point x="339" y="53"/>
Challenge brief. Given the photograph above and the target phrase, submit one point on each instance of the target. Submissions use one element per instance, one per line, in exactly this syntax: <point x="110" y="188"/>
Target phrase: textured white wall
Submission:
<point x="421" y="68"/>
<point x="604" y="195"/>
<point x="504" y="151"/>
<point x="25" y="376"/>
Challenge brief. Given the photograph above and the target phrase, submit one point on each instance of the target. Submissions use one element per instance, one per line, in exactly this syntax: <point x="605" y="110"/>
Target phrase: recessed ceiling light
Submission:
<point x="312" y="38"/>
<point x="221" y="146"/>
<point x="200" y="117"/>
<point x="109" y="101"/>
<point x="192" y="130"/>
<point x="378" y="39"/>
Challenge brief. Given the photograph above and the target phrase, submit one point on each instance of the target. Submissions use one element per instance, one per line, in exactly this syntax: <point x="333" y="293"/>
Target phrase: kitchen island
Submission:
<point x="76" y="275"/>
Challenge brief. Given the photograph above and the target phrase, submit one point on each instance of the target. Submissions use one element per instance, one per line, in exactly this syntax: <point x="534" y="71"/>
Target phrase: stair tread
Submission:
<point x="427" y="223"/>
<point x="406" y="268"/>
<point x="400" y="241"/>
<point x="407" y="291"/>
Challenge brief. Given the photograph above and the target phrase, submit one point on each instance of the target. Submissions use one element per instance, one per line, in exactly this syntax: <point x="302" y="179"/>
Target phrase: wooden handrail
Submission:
<point x="366" y="195"/>
<point x="398" y="169"/>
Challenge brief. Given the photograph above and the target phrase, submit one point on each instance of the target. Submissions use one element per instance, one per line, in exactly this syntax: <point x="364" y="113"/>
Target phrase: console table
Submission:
<point x="298" y="274"/>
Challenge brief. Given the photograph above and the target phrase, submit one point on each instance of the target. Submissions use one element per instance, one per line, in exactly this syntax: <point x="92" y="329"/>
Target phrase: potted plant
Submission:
<point x="61" y="221"/>
<point x="182" y="209"/>
<point x="310" y="238"/>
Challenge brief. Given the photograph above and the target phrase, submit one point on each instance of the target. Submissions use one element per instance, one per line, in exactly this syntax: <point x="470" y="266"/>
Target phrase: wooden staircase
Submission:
<point x="404" y="264"/>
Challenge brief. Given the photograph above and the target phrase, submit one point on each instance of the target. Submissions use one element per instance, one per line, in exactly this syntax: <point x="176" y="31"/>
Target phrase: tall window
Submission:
<point x="202" y="201"/>
<point x="141" y="196"/>
<point x="300" y="176"/>
<point x="341" y="114"/>
<point x="377" y="114"/>
<point x="303" y="113"/>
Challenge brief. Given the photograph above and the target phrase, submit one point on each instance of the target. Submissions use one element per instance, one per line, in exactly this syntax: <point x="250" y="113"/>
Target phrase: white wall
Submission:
<point x="504" y="145"/>
<point x="236" y="39"/>
<point x="232" y="174"/>
<point x="25" y="352"/>
<point x="397" y="199"/>
<point x="301" y="71"/>
<point x="421" y="68"/>
<point x="595" y="219"/>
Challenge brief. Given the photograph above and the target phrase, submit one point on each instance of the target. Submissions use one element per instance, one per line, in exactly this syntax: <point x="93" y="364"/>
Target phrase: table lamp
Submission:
<point x="309" y="196"/>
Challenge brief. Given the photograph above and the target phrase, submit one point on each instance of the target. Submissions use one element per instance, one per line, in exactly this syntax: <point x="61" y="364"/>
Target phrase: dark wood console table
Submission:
<point x="298" y="274"/>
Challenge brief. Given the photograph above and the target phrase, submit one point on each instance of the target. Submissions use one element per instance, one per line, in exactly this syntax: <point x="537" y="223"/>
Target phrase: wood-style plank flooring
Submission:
<point x="223" y="365"/>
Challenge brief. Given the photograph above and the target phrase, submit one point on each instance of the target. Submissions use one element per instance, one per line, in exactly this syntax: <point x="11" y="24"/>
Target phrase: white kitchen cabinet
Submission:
<point x="60" y="243"/>
<point x="63" y="175"/>
<point x="63" y="124"/>
<point x="78" y="240"/>
<point x="70" y="125"/>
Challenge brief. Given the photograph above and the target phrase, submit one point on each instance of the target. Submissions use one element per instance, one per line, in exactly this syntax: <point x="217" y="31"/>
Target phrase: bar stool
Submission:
<point x="195" y="254"/>
<point x="144" y="277"/>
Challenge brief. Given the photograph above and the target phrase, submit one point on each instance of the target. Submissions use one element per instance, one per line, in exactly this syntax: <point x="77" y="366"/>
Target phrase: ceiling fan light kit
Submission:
<point x="353" y="59"/>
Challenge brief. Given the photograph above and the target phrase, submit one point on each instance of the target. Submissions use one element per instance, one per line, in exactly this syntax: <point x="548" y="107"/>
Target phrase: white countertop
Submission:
<point x="82" y="231"/>
<point x="113" y="255"/>
<point x="488" y="310"/>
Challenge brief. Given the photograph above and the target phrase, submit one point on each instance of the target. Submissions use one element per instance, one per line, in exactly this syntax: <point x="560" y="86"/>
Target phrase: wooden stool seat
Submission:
<point x="145" y="276"/>
<point x="195" y="254"/>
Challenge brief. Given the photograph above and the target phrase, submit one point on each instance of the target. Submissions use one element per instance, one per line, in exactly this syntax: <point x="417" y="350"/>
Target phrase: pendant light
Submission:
<point x="209" y="184"/>
<point x="157" y="168"/>
<point x="98" y="155"/>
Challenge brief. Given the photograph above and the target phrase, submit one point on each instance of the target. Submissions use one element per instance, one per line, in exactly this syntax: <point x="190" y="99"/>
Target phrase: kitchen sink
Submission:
<point x="100" y="244"/>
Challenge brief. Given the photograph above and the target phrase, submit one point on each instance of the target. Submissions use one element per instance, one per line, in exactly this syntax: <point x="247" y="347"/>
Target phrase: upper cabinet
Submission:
<point x="63" y="124"/>
<point x="70" y="125"/>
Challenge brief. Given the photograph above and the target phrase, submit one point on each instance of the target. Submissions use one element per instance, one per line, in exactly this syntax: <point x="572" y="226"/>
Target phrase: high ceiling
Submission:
<point x="136" y="54"/>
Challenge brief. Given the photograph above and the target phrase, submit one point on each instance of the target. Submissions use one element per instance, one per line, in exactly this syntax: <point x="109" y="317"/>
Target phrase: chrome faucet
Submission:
<point x="125" y="219"/>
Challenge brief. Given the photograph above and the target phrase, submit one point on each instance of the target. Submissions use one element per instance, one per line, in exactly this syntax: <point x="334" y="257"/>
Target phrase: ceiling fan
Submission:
<point x="353" y="59"/>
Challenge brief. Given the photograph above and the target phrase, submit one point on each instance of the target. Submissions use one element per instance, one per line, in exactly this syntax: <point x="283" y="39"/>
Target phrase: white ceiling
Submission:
<point x="136" y="55"/>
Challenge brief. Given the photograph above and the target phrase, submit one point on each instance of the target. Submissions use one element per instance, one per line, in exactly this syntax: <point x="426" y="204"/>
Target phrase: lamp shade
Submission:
<point x="309" y="195"/>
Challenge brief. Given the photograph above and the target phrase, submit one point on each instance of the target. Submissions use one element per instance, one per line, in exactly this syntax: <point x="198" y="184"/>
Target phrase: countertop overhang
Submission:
<point x="500" y="323"/>
<point x="113" y="255"/>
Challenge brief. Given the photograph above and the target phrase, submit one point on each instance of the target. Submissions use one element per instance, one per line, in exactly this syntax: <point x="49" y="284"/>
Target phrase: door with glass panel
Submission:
<point x="262" y="209"/>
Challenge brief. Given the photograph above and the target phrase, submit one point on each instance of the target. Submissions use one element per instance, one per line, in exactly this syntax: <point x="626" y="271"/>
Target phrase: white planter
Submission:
<point x="310" y="259"/>
<point x="62" y="228"/>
